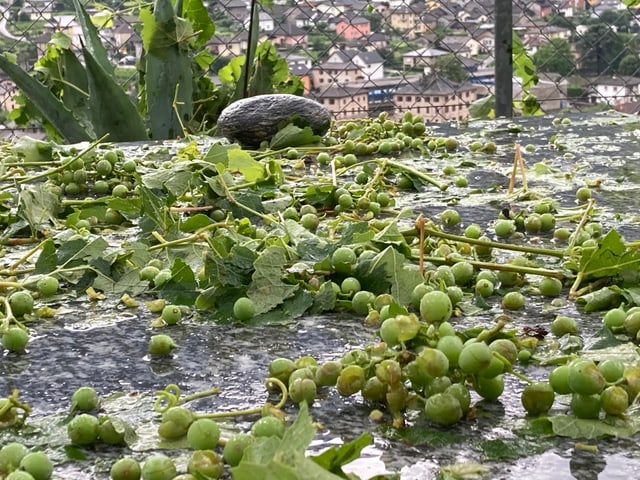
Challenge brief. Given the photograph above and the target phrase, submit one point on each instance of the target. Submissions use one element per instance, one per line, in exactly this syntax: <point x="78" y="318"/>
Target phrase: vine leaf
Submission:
<point x="608" y="258"/>
<point x="267" y="289"/>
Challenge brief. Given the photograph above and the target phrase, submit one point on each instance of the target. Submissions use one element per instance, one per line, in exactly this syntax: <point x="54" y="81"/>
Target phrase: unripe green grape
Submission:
<point x="484" y="288"/>
<point x="537" y="398"/>
<point x="504" y="227"/>
<point x="489" y="388"/>
<point x="483" y="250"/>
<point x="436" y="307"/>
<point x="21" y="303"/>
<point x="171" y="314"/>
<point x="474" y="357"/>
<point x="416" y="373"/>
<point x="562" y="234"/>
<point x="244" y="309"/>
<point x="443" y="408"/>
<point x="120" y="191"/>
<point x="205" y="463"/>
<point x="374" y="390"/>
<point x="508" y="279"/>
<point x="303" y="389"/>
<point x="494" y="368"/>
<point x="15" y="339"/>
<point x="435" y="362"/>
<point x="585" y="378"/>
<point x="559" y="380"/>
<point x="281" y="368"/>
<point x="362" y="301"/>
<point x="396" y="397"/>
<point x="148" y="273"/>
<point x="83" y="429"/>
<point x="175" y="422"/>
<point x="460" y="392"/>
<point x="163" y="277"/>
<point x="473" y="231"/>
<point x="351" y="380"/>
<point x="235" y="447"/>
<point x="310" y="221"/>
<point x="563" y="325"/>
<point x="126" y="468"/>
<point x="109" y="434"/>
<point x="463" y="272"/>
<point x="462" y="181"/>
<point x="451" y="346"/>
<point x="550" y="287"/>
<point x="268" y="426"/>
<point x="445" y="329"/>
<point x="632" y="323"/>
<point x="506" y="348"/>
<point x="614" y="318"/>
<point x="38" y="465"/>
<point x="158" y="467"/>
<point x="585" y="406"/>
<point x="343" y="259"/>
<point x="583" y="194"/>
<point x="203" y="434"/>
<point x="85" y="399"/>
<point x="350" y="286"/>
<point x="19" y="475"/>
<point x="389" y="371"/>
<point x="614" y="400"/>
<point x="418" y="292"/>
<point x="444" y="273"/>
<point x="48" y="285"/>
<point x="513" y="301"/>
<point x="161" y="345"/>
<point x="450" y="217"/>
<point x="129" y="165"/>
<point x="611" y="369"/>
<point x="11" y="455"/>
<point x="547" y="222"/>
<point x="532" y="223"/>
<point x="327" y="373"/>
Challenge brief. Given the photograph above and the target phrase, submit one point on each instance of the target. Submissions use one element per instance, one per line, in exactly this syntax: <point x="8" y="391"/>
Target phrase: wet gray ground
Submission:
<point x="88" y="344"/>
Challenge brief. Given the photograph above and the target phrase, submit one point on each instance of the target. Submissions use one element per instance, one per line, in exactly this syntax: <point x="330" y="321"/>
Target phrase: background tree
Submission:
<point x="448" y="66"/>
<point x="599" y="48"/>
<point x="629" y="65"/>
<point x="555" y="56"/>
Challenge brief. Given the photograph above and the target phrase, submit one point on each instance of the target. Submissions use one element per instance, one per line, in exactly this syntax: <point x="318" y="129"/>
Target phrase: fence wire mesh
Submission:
<point x="360" y="58"/>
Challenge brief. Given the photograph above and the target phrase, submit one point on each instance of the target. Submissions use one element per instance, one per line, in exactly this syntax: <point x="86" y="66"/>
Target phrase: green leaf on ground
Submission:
<point x="267" y="289"/>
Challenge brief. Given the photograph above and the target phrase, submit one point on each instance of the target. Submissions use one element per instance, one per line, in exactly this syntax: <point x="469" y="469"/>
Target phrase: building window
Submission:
<point x="332" y="101"/>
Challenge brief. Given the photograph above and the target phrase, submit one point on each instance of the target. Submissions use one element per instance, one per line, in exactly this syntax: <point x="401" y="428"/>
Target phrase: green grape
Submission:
<point x="418" y="292"/>
<point x="585" y="406"/>
<point x="473" y="231"/>
<point x="19" y="475"/>
<point x="161" y="345"/>
<point x="460" y="392"/>
<point x="513" y="301"/>
<point x="614" y="400"/>
<point x="444" y="273"/>
<point x="614" y="318"/>
<point x="281" y="368"/>
<point x="362" y="301"/>
<point x="415" y="372"/>
<point x="343" y="260"/>
<point x="489" y="388"/>
<point x="111" y="431"/>
<point x="438" y="385"/>
<point x="463" y="273"/>
<point x="550" y="287"/>
<point x="450" y="217"/>
<point x="83" y="429"/>
<point x="396" y="397"/>
<point x="484" y="288"/>
<point x="350" y="286"/>
<point x="436" y="307"/>
<point x="547" y="222"/>
<point x="585" y="378"/>
<point x="15" y="339"/>
<point x="583" y="194"/>
<point x="451" y="346"/>
<point x="303" y="389"/>
<point x="235" y="447"/>
<point x="506" y="348"/>
<point x="103" y="168"/>
<point x="374" y="390"/>
<point x="389" y="371"/>
<point x="533" y="223"/>
<point x="38" y="465"/>
<point x="206" y="464"/>
<point x="203" y="434"/>
<point x="504" y="227"/>
<point x="435" y="362"/>
<point x="85" y="399"/>
<point x="310" y="221"/>
<point x="611" y="369"/>
<point x="268" y="426"/>
<point x="126" y="468"/>
<point x="327" y="373"/>
<point x="351" y="380"/>
<point x="158" y="467"/>
<point x="48" y="285"/>
<point x="496" y="367"/>
<point x="563" y="325"/>
<point x="537" y="398"/>
<point x="445" y="329"/>
<point x="120" y="191"/>
<point x="559" y="380"/>
<point x="11" y="455"/>
<point x="148" y="273"/>
<point x="632" y="323"/>
<point x="244" y="309"/>
<point x="171" y="314"/>
<point x="443" y="408"/>
<point x="474" y="357"/>
<point x="21" y="303"/>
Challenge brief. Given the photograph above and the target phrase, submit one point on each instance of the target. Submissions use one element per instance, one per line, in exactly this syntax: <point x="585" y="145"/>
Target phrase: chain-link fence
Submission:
<point x="360" y="58"/>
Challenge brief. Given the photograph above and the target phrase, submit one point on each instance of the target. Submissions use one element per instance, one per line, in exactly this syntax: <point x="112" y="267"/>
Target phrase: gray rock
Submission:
<point x="252" y="120"/>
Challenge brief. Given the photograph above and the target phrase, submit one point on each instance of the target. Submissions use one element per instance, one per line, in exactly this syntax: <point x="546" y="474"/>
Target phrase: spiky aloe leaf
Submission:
<point x="46" y="102"/>
<point x="112" y="111"/>
<point x="92" y="38"/>
<point x="168" y="74"/>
